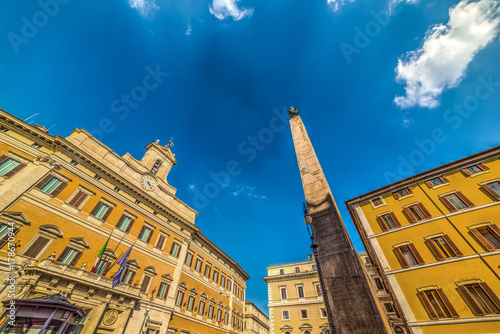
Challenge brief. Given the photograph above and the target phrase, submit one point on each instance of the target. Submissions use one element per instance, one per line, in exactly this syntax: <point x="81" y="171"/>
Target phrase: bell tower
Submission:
<point x="158" y="159"/>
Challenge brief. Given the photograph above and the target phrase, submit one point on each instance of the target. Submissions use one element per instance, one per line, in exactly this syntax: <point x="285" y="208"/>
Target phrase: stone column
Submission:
<point x="94" y="319"/>
<point x="177" y="276"/>
<point x="352" y="306"/>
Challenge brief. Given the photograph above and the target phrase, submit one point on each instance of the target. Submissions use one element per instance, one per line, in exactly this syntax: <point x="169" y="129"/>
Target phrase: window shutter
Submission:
<point x="120" y="221"/>
<point x="77" y="257"/>
<point x="94" y="210"/>
<point x="410" y="215"/>
<point x="36" y="247"/>
<point x="149" y="236"/>
<point x="131" y="279"/>
<point x="62" y="254"/>
<point x="5" y="238"/>
<point x="483" y="166"/>
<point x="434" y="250"/>
<point x="424" y="210"/>
<point x="142" y="231"/>
<point x="3" y="158"/>
<point x="447" y="303"/>
<point x="470" y="300"/>
<point x="15" y="170"/>
<point x="429" y="184"/>
<point x="466" y="172"/>
<point x="78" y="198"/>
<point x="400" y="257"/>
<point x="382" y="223"/>
<point x="452" y="246"/>
<point x="396" y="195"/>
<point x="44" y="181"/>
<point x="130" y="225"/>
<point x="160" y="241"/>
<point x="492" y="228"/>
<point x="482" y="240"/>
<point x="464" y="199"/>
<point x="416" y="254"/>
<point x="108" y="212"/>
<point x="490" y="191"/>
<point x="444" y="179"/>
<point x="490" y="294"/>
<point x="60" y="187"/>
<point x="427" y="305"/>
<point x="447" y="203"/>
<point x="396" y="221"/>
<point x="145" y="283"/>
<point x="179" y="251"/>
<point x="106" y="268"/>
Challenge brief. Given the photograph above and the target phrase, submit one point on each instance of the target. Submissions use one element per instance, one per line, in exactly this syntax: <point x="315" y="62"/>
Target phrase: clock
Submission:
<point x="148" y="182"/>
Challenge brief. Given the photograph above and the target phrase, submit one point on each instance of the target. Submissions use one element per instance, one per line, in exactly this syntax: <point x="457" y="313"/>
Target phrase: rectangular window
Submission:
<point x="189" y="259"/>
<point x="377" y="201"/>
<point x="474" y="169"/>
<point x="480" y="298"/>
<point x="129" y="276"/>
<point x="436" y="182"/>
<point x="145" y="284"/>
<point x="97" y="177"/>
<point x="285" y="315"/>
<point x="226" y="318"/>
<point x="222" y="280"/>
<point x="401" y="193"/>
<point x="493" y="189"/>
<point x="297" y="269"/>
<point x="389" y="307"/>
<point x="36" y="247"/>
<point x="199" y="262"/>
<point x="442" y="247"/>
<point x="283" y="293"/>
<point x="50" y="186"/>
<point x="201" y="307"/>
<point x="180" y="297"/>
<point x="73" y="162"/>
<point x="437" y="304"/>
<point x="323" y="312"/>
<point x="68" y="256"/>
<point x="190" y="303"/>
<point x="78" y="199"/>
<point x="117" y="189"/>
<point x="215" y="278"/>
<point x="378" y="283"/>
<point x="101" y="211"/>
<point x="282" y="271"/>
<point x="408" y="255"/>
<point x="163" y="290"/>
<point x="124" y="223"/>
<point x="229" y="284"/>
<point x="100" y="267"/>
<point x="145" y="234"/>
<point x="388" y="221"/>
<point x="319" y="292"/>
<point x="137" y="202"/>
<point x="175" y="250"/>
<point x="156" y="166"/>
<point x="161" y="241"/>
<point x="208" y="269"/>
<point x="210" y="311"/>
<point x="416" y="212"/>
<point x="456" y="201"/>
<point x="303" y="314"/>
<point x="37" y="146"/>
<point x="219" y="315"/>
<point x="488" y="236"/>
<point x="314" y="267"/>
<point x="8" y="165"/>
<point x="300" y="291"/>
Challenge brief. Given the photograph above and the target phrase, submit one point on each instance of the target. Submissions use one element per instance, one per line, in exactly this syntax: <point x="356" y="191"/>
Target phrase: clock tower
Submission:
<point x="158" y="159"/>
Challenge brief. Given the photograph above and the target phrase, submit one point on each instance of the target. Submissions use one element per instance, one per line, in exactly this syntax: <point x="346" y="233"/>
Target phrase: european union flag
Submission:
<point x="118" y="276"/>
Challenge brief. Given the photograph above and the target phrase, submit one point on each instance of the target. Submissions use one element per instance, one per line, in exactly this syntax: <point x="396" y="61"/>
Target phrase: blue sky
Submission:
<point x="383" y="96"/>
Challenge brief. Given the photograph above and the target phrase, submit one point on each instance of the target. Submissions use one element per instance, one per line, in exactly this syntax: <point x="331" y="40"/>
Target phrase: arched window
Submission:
<point x="399" y="330"/>
<point x="307" y="332"/>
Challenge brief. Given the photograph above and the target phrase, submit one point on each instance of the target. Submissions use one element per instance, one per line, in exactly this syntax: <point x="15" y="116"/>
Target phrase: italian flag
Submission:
<point x="99" y="256"/>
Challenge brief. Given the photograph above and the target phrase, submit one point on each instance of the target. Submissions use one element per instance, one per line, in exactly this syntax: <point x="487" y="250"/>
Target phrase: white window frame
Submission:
<point x="165" y="235"/>
<point x="283" y="315"/>
<point x="89" y="193"/>
<point x="300" y="313"/>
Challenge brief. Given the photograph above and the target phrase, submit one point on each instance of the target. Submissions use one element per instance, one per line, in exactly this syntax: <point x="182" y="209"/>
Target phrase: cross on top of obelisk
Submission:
<point x="293" y="112"/>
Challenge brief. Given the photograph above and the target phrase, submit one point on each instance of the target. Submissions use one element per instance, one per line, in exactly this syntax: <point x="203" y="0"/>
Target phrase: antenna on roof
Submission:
<point x="31" y="116"/>
<point x="171" y="142"/>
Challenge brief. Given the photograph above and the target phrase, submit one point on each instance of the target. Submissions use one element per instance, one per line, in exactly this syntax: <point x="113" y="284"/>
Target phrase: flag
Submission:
<point x="118" y="276"/>
<point x="99" y="256"/>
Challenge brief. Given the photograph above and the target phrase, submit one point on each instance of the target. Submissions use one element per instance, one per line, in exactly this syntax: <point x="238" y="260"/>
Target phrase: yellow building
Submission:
<point x="436" y="239"/>
<point x="62" y="198"/>
<point x="295" y="300"/>
<point x="256" y="321"/>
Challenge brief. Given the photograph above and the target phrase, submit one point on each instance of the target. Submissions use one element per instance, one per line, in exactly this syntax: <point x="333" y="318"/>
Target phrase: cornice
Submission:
<point x="289" y="277"/>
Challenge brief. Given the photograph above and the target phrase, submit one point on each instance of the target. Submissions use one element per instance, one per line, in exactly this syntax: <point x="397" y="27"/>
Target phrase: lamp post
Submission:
<point x="314" y="246"/>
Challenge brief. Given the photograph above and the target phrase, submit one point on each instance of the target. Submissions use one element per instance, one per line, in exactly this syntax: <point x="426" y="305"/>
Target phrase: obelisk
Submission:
<point x="353" y="309"/>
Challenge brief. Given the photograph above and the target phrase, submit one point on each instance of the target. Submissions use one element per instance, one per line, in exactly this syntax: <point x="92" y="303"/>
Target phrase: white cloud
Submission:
<point x="447" y="50"/>
<point x="144" y="7"/>
<point x="188" y="30"/>
<point x="222" y="9"/>
<point x="336" y="4"/>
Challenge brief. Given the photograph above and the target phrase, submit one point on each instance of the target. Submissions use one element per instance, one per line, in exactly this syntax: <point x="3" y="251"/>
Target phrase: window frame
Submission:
<point x="414" y="216"/>
<point x="283" y="315"/>
<point x="198" y="258"/>
<point x="307" y="314"/>
<point x="443" y="179"/>
<point x="402" y="259"/>
<point x="450" y="206"/>
<point x="439" y="251"/>
<point x="482" y="168"/>
<point x="489" y="190"/>
<point x="474" y="304"/>
<point x="492" y="229"/>
<point x="143" y="231"/>
<point x="399" y="196"/>
<point x="175" y="251"/>
<point x="283" y="289"/>
<point x="430" y="308"/>
<point x="130" y="223"/>
<point x="13" y="171"/>
<point x="382" y="223"/>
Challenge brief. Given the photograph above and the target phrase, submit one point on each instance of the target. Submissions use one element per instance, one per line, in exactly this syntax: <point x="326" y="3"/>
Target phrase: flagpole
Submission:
<point x="100" y="255"/>
<point x="116" y="260"/>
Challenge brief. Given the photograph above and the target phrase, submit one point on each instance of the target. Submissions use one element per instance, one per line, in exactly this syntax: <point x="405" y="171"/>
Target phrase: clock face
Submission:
<point x="148" y="182"/>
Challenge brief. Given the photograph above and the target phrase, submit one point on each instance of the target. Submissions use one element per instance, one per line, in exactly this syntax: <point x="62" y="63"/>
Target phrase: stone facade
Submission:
<point x="67" y="196"/>
<point x="256" y="322"/>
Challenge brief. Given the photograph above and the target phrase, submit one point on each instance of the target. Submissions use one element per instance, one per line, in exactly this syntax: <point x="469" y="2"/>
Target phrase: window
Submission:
<point x="145" y="234"/>
<point x="297" y="269"/>
<point x="208" y="269"/>
<point x="201" y="307"/>
<point x="199" y="262"/>
<point x="480" y="298"/>
<point x="37" y="247"/>
<point x="37" y="146"/>
<point x="97" y="177"/>
<point x="210" y="311"/>
<point x="73" y="162"/>
<point x="180" y="297"/>
<point x="190" y="303"/>
<point x="156" y="166"/>
<point x="2" y="129"/>
<point x="389" y="308"/>
<point x="51" y="185"/>
<point x="128" y="277"/>
<point x="388" y="221"/>
<point x="319" y="292"/>
<point x="488" y="236"/>
<point x="416" y="212"/>
<point x="226" y="317"/>
<point x="285" y="315"/>
<point x="4" y="233"/>
<point x="189" y="259"/>
<point x="160" y="242"/>
<point x="300" y="291"/>
<point x="436" y="181"/>
<point x="282" y="271"/>
<point x="283" y="293"/>
<point x="175" y="250"/>
<point x="408" y="255"/>
<point x="456" y="201"/>
<point x="117" y="189"/>
<point x="163" y="290"/>
<point x="322" y="312"/>
<point x="215" y="278"/>
<point x="137" y="202"/>
<point x="145" y="284"/>
<point x="377" y="201"/>
<point x="229" y="282"/>
<point x="69" y="256"/>
<point x="314" y="267"/>
<point x="475" y="169"/>
<point x="101" y="211"/>
<point x="100" y="267"/>
<point x="378" y="283"/>
<point x="303" y="314"/>
<point x="399" y="330"/>
<point x="125" y="223"/>
<point x="437" y="304"/>
<point x="492" y="188"/>
<point x="78" y="199"/>
<point x="402" y="193"/>
<point x="9" y="166"/>
<point x="442" y="247"/>
<point x="222" y="280"/>
<point x="219" y="315"/>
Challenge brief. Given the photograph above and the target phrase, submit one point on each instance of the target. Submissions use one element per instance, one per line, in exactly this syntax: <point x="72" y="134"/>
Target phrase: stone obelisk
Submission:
<point x="351" y="304"/>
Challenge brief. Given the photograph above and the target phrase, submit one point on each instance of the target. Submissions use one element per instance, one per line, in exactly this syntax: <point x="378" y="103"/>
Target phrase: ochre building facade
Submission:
<point x="435" y="238"/>
<point x="64" y="197"/>
<point x="256" y="321"/>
